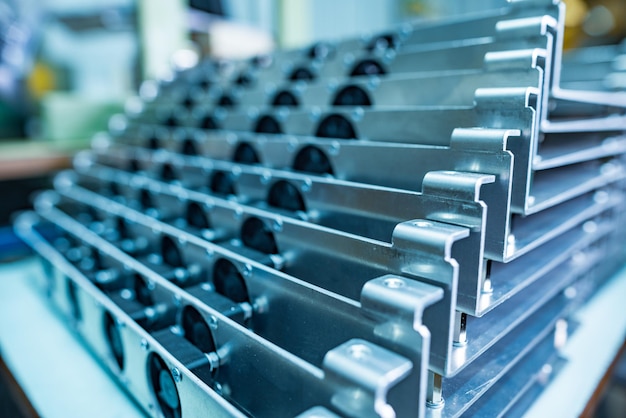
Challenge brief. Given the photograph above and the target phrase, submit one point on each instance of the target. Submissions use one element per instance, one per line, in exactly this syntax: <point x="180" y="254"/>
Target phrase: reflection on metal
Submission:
<point x="396" y="225"/>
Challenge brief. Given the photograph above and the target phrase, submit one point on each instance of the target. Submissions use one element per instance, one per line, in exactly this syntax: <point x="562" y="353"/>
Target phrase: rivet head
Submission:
<point x="145" y="346"/>
<point x="394" y="283"/>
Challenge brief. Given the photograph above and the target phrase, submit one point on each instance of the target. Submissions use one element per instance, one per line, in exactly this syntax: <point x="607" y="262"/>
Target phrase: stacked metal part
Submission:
<point x="386" y="226"/>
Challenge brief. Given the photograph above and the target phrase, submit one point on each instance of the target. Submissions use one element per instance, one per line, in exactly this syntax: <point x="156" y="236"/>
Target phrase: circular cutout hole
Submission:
<point x="170" y="253"/>
<point x="229" y="282"/>
<point x="285" y="195"/>
<point x="267" y="125"/>
<point x="72" y="297"/>
<point x="301" y="73"/>
<point x="383" y="42"/>
<point x="163" y="387"/>
<point x="187" y="102"/>
<point x="145" y="199"/>
<point x="121" y="227"/>
<point x="284" y="98"/>
<point x="196" y="330"/>
<point x="226" y="100"/>
<point x="196" y="216"/>
<point x="367" y="67"/>
<point x="114" y="339"/>
<point x="208" y="123"/>
<point x="143" y="294"/>
<point x="335" y="126"/>
<point x="352" y="96"/>
<point x="257" y="235"/>
<point x="153" y="143"/>
<point x="171" y="121"/>
<point x="245" y="154"/>
<point x="319" y="51"/>
<point x="114" y="188"/>
<point x="189" y="147"/>
<point x="168" y="173"/>
<point x="133" y="165"/>
<point x="311" y="159"/>
<point x="244" y="80"/>
<point x="222" y="183"/>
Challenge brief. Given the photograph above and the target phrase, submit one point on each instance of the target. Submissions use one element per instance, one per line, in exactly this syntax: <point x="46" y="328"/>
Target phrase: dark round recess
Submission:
<point x="171" y="121"/>
<point x="143" y="294"/>
<point x="222" y="183"/>
<point x="153" y="143"/>
<point x="229" y="282"/>
<point x="204" y="84"/>
<point x="367" y="67"/>
<point x="168" y="173"/>
<point x="311" y="159"/>
<point x="72" y="298"/>
<point x="267" y="125"/>
<point x="189" y="147"/>
<point x="257" y="235"/>
<point x="196" y="330"/>
<point x="384" y="42"/>
<point x="97" y="259"/>
<point x="226" y="100"/>
<point x="301" y="73"/>
<point x="196" y="216"/>
<point x="285" y="98"/>
<point x="208" y="123"/>
<point x="163" y="387"/>
<point x="285" y="195"/>
<point x="319" y="50"/>
<point x="257" y="60"/>
<point x="121" y="227"/>
<point x="245" y="154"/>
<point x="114" y="188"/>
<point x="145" y="199"/>
<point x="187" y="102"/>
<point x="335" y="126"/>
<point x="244" y="80"/>
<point x="114" y="339"/>
<point x="133" y="165"/>
<point x="352" y="96"/>
<point x="171" y="253"/>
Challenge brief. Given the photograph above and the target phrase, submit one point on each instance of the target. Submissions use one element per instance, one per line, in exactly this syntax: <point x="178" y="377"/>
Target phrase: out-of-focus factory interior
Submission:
<point x="70" y="68"/>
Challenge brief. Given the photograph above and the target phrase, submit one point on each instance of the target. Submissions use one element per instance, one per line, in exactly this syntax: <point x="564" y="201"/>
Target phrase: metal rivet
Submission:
<point x="176" y="375"/>
<point x="394" y="283"/>
<point x="145" y="346"/>
<point x="359" y="351"/>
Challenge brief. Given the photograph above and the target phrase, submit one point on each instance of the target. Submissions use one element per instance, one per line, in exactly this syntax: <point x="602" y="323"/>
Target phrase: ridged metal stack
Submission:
<point x="395" y="225"/>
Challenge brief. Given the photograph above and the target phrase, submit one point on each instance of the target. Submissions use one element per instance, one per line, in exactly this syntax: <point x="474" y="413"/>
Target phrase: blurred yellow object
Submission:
<point x="41" y="80"/>
<point x="594" y="22"/>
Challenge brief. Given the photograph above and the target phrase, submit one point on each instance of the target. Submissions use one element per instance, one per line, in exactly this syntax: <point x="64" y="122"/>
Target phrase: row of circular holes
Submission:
<point x="331" y="126"/>
<point x="365" y="67"/>
<point x="282" y="194"/>
<point x="193" y="325"/>
<point x="350" y="95"/>
<point x="310" y="159"/>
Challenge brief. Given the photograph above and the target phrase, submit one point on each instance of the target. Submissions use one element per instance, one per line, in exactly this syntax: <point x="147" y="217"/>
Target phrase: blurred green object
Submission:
<point x="67" y="117"/>
<point x="11" y="121"/>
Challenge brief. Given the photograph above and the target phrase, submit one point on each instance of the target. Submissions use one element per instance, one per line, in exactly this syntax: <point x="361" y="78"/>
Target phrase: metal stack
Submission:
<point x="395" y="225"/>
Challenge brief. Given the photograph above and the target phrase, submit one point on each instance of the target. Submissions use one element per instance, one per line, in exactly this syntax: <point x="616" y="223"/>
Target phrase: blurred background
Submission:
<point x="66" y="66"/>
